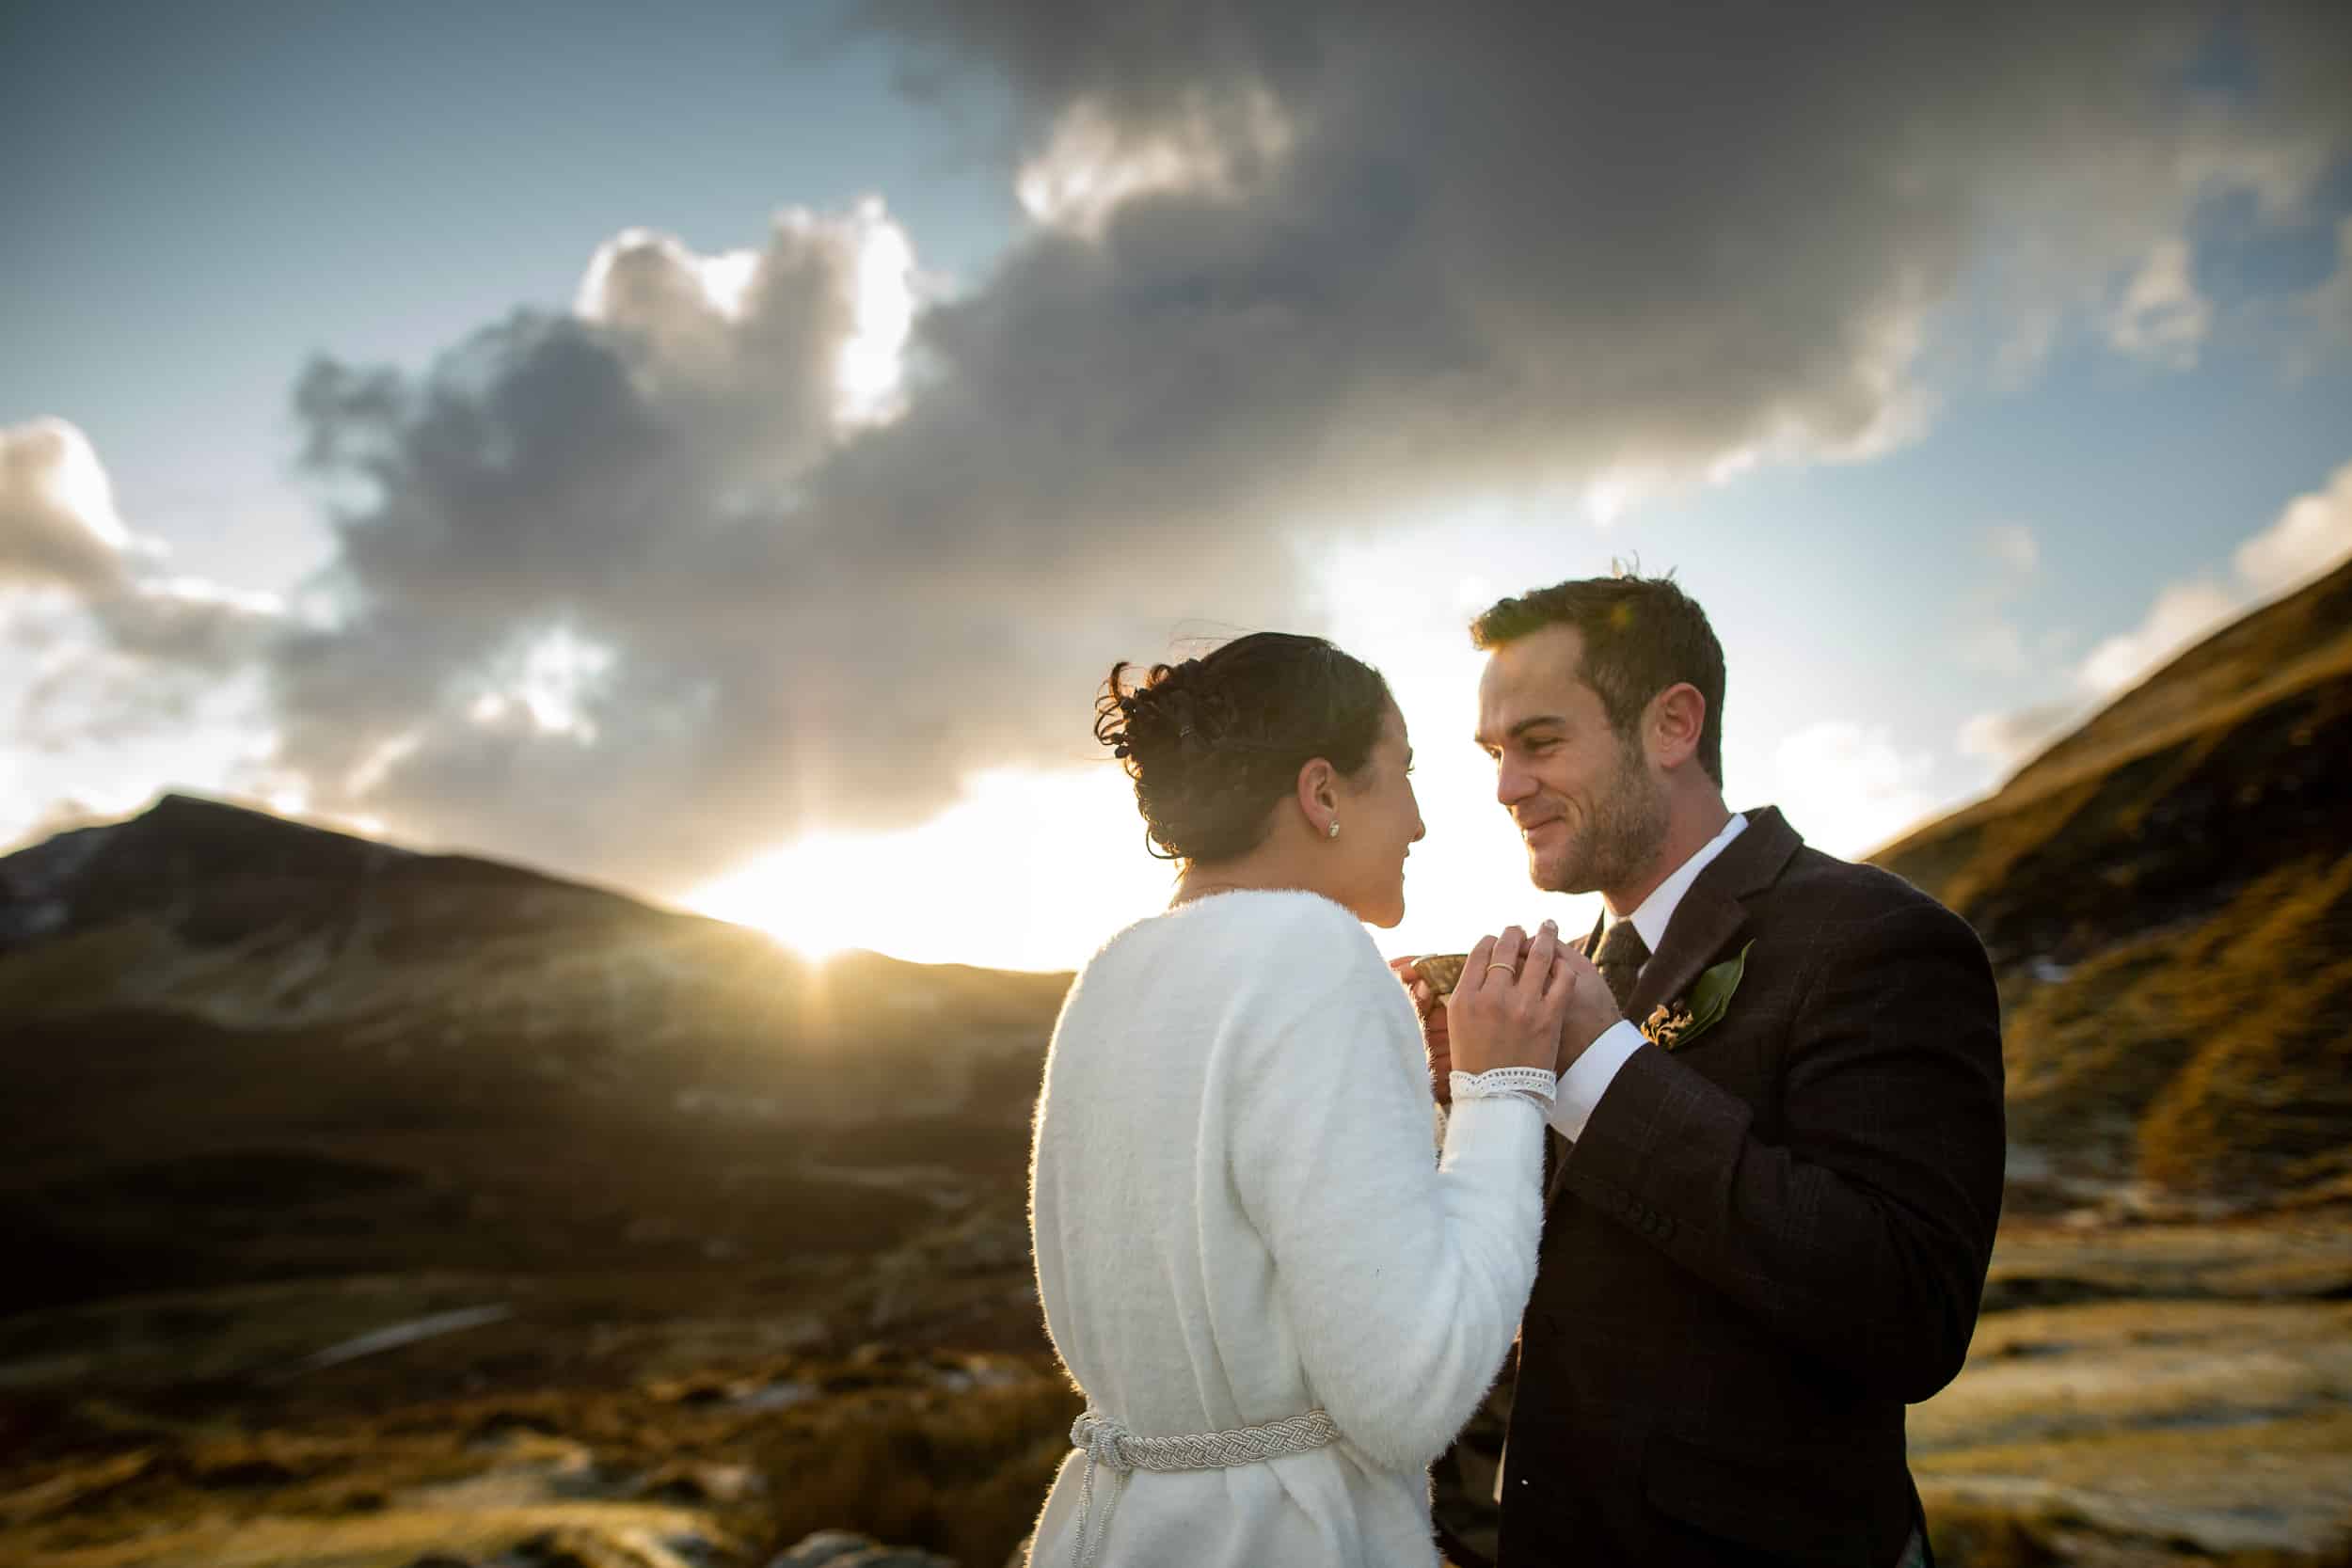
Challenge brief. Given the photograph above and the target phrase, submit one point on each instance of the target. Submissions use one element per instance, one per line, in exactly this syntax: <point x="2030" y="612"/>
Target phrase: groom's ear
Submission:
<point x="1671" y="731"/>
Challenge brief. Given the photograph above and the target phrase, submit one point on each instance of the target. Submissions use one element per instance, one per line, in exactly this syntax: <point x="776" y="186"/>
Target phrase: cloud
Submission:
<point x="2183" y="611"/>
<point x="57" y="521"/>
<point x="1616" y="178"/>
<point x="1091" y="165"/>
<point x="59" y="531"/>
<point x="706" y="557"/>
<point x="2162" y="315"/>
<point x="785" y="346"/>
<point x="752" y="543"/>
<point x="2014" y="547"/>
<point x="2311" y="535"/>
<point x="107" y="645"/>
<point x="1991" y="642"/>
<point x="1997" y="647"/>
<point x="2007" y="739"/>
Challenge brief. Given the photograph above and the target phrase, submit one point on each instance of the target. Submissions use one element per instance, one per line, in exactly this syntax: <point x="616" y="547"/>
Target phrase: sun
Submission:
<point x="1027" y="871"/>
<point x="818" y="897"/>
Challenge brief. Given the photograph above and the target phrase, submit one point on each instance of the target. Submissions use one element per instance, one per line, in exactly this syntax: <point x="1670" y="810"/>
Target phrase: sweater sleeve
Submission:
<point x="1405" y="1283"/>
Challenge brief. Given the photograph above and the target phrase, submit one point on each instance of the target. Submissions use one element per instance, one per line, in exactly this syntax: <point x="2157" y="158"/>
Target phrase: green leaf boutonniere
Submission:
<point x="1677" y="1024"/>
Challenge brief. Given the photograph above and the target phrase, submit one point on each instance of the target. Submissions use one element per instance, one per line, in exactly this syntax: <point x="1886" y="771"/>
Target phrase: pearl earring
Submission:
<point x="1335" y="829"/>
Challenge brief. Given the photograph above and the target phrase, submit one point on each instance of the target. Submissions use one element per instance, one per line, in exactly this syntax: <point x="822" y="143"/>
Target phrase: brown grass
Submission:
<point x="2211" y="1057"/>
<point x="2269" y="1084"/>
<point x="963" y="1476"/>
<point x="1974" y="1533"/>
<point x="372" y="1465"/>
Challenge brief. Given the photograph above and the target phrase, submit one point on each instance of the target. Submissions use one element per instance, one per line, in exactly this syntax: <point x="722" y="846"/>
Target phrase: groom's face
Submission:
<point x="1587" y="807"/>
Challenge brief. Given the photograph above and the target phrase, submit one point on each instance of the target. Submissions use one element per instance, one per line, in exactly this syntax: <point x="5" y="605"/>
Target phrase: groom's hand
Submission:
<point x="1591" y="1009"/>
<point x="1434" y="1037"/>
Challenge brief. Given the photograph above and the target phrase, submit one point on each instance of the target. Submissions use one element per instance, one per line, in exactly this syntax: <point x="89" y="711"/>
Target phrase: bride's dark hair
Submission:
<point x="1213" y="742"/>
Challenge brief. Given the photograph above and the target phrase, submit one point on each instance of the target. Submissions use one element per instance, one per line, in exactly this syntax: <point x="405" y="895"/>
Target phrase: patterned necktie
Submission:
<point x="1620" y="959"/>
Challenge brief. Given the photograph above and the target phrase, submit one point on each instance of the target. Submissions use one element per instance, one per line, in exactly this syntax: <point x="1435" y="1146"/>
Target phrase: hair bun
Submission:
<point x="1170" y="712"/>
<point x="1213" y="742"/>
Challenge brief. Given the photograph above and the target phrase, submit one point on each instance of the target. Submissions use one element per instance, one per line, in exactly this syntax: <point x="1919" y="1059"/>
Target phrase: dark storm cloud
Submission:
<point x="622" y="590"/>
<point x="1553" y="238"/>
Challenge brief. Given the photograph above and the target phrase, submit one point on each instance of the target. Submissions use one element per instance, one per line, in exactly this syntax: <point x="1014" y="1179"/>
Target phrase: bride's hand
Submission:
<point x="1507" y="1011"/>
<point x="1434" y="1039"/>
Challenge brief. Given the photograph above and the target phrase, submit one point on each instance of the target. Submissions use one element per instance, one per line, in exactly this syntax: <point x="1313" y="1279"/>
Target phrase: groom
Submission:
<point x="1775" y="1173"/>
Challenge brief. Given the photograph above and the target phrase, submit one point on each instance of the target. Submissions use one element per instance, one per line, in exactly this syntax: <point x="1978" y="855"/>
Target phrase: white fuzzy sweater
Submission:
<point x="1237" y="1218"/>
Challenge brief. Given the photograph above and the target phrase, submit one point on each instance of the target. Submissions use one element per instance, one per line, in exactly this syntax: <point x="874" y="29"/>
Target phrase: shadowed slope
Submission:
<point x="241" y="1046"/>
<point x="2167" y="897"/>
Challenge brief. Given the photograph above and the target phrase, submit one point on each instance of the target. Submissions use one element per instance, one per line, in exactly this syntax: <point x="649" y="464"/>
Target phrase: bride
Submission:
<point x="1279" y="1308"/>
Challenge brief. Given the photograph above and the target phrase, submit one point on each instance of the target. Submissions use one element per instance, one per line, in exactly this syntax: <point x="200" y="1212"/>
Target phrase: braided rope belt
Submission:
<point x="1104" y="1442"/>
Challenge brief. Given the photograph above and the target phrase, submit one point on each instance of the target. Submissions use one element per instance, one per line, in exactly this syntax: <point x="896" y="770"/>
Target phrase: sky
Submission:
<point x="717" y="451"/>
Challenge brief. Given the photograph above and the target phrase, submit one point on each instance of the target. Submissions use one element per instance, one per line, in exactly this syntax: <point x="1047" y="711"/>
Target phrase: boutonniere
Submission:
<point x="1673" y="1025"/>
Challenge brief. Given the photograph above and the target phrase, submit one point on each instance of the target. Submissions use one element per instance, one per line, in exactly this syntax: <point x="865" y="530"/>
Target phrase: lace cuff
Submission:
<point x="1537" y="1085"/>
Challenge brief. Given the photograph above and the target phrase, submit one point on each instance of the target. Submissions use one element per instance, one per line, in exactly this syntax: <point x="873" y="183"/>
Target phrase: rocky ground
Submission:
<point x="2150" y="1392"/>
<point x="746" y="1462"/>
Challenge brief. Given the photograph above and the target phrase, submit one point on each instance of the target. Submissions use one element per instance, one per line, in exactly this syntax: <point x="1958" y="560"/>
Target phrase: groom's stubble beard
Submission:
<point x="1625" y="833"/>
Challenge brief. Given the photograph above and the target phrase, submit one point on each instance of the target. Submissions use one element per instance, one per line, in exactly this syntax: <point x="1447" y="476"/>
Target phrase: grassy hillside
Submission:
<point x="2167" y="895"/>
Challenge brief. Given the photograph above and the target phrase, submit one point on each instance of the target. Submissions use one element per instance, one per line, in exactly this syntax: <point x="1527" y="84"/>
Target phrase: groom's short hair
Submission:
<point x="1641" y="636"/>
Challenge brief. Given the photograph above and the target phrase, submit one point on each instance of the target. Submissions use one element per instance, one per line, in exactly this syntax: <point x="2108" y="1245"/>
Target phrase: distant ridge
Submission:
<point x="238" y="1047"/>
<point x="185" y="846"/>
<point x="2167" y="897"/>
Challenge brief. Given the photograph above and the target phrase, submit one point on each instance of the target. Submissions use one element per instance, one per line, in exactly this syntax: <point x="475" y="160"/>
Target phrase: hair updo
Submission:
<point x="1214" y="742"/>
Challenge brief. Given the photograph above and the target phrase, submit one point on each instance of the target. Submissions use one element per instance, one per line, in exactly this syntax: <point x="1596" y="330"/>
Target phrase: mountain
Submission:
<point x="238" y="1048"/>
<point x="2167" y="897"/>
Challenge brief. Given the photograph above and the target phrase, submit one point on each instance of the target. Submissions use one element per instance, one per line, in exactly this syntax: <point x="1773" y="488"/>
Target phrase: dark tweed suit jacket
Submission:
<point x="1768" y="1241"/>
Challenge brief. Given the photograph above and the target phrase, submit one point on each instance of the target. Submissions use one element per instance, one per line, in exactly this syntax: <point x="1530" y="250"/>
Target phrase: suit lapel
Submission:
<point x="1702" y="925"/>
<point x="1711" y="912"/>
<point x="1714" y="910"/>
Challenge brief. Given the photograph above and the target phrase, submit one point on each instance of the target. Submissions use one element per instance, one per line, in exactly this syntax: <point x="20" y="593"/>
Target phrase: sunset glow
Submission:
<point x="1017" y="875"/>
<point x="608" y="493"/>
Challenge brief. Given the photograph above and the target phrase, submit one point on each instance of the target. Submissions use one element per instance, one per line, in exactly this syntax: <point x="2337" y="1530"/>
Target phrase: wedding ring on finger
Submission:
<point x="1512" y="970"/>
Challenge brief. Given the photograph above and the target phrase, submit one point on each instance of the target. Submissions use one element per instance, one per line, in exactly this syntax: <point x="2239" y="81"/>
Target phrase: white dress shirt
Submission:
<point x="1589" y="1076"/>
